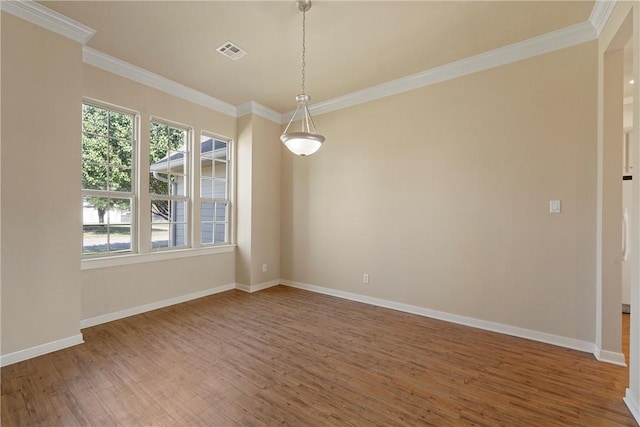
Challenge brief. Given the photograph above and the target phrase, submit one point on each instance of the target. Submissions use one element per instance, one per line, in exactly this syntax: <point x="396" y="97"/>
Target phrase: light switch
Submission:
<point x="554" y="206"/>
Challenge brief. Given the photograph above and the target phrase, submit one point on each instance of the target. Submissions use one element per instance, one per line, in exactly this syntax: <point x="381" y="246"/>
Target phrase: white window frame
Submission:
<point x="214" y="200"/>
<point x="188" y="197"/>
<point x="132" y="195"/>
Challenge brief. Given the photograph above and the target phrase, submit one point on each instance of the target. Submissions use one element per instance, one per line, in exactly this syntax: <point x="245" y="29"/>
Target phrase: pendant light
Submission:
<point x="308" y="140"/>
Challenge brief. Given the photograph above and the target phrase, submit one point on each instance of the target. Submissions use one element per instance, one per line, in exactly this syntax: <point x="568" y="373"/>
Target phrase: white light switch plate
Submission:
<point x="554" y="206"/>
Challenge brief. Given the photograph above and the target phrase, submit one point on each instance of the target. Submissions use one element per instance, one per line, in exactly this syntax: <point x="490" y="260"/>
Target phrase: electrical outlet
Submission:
<point x="365" y="278"/>
<point x="264" y="268"/>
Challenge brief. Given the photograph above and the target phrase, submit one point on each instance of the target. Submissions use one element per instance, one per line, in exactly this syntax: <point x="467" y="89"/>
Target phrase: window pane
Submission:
<point x="160" y="211"/>
<point x="94" y="120"/>
<point x="206" y="187"/>
<point x="94" y="176"/>
<point x="169" y="160"/>
<point x="220" y="233"/>
<point x="178" y="185"/>
<point x="167" y="235"/>
<point x="159" y="183"/>
<point x="94" y="163"/>
<point x="220" y="169"/>
<point x="214" y="226"/>
<point x="94" y="210"/>
<point x="177" y="139"/>
<point x="221" y="212"/>
<point x="94" y="149"/>
<point x="94" y="239"/>
<point x="168" y="223"/>
<point x="176" y="162"/>
<point x="206" y="211"/>
<point x="158" y="147"/>
<point x="179" y="235"/>
<point x="119" y="238"/>
<point x="206" y="233"/>
<point x="221" y="148"/>
<point x="120" y="125"/>
<point x="160" y="235"/>
<point x="206" y="148"/>
<point x="220" y="189"/>
<point x="106" y="224"/>
<point x="119" y="179"/>
<point x="178" y="211"/>
<point x="120" y="152"/>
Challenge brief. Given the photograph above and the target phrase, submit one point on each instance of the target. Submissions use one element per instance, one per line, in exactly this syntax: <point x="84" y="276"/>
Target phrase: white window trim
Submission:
<point x="160" y="255"/>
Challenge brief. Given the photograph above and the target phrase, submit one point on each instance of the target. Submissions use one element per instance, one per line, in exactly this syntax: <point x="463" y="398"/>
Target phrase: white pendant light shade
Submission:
<point x="302" y="143"/>
<point x="308" y="140"/>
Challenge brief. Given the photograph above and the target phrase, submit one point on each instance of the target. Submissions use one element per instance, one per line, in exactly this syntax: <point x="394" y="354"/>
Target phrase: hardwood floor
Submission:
<point x="286" y="356"/>
<point x="626" y="335"/>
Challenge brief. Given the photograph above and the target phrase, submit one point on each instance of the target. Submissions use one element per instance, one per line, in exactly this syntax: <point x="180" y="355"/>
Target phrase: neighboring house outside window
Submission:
<point x="214" y="190"/>
<point x="108" y="187"/>
<point x="169" y="159"/>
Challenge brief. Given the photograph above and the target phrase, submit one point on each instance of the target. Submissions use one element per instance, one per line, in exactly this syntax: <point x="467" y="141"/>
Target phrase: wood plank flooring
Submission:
<point x="284" y="356"/>
<point x="626" y="335"/>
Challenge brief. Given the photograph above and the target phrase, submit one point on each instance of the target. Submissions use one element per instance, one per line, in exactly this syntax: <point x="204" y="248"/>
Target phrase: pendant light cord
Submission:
<point x="304" y="49"/>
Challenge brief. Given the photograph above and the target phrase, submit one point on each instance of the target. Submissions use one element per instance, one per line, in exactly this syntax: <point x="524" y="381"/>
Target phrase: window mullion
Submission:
<point x="144" y="197"/>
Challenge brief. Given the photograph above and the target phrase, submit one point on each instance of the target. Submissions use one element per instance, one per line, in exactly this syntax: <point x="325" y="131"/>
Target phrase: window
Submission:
<point x="114" y="188"/>
<point x="108" y="142"/>
<point x="169" y="159"/>
<point x="214" y="190"/>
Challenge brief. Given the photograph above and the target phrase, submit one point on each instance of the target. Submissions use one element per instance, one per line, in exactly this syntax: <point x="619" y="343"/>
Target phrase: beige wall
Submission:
<point x="41" y="222"/>
<point x="243" y="196"/>
<point x="442" y="196"/>
<point x="107" y="290"/>
<point x="612" y="204"/>
<point x="112" y="289"/>
<point x="259" y="200"/>
<point x="266" y="201"/>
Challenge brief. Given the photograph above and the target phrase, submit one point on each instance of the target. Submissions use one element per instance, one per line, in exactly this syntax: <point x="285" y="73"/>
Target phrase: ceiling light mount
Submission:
<point x="308" y="140"/>
<point x="303" y="5"/>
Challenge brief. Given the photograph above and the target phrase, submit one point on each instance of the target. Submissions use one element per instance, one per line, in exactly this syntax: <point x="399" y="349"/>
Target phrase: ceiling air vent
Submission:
<point x="231" y="50"/>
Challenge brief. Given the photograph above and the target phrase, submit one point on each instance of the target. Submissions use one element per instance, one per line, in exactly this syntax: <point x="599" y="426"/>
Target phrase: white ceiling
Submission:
<point x="351" y="45"/>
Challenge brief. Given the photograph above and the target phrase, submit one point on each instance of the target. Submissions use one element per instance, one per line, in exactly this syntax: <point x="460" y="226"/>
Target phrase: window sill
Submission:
<point x="118" y="260"/>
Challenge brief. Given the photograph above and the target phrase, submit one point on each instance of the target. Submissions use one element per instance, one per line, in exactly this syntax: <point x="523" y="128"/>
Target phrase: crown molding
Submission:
<point x="44" y="17"/>
<point x="140" y="75"/>
<point x="600" y="14"/>
<point x="549" y="42"/>
<point x="37" y="14"/>
<point x="253" y="107"/>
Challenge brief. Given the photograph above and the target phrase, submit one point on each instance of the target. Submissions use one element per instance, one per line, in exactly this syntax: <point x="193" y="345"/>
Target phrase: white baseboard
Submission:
<point x="633" y="405"/>
<point x="39" y="350"/>
<point x="609" y="357"/>
<point x="544" y="337"/>
<point x="93" y="321"/>
<point x="258" y="287"/>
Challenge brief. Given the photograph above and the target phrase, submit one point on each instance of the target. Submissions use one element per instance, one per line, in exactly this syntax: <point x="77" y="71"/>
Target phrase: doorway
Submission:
<point x="628" y="169"/>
